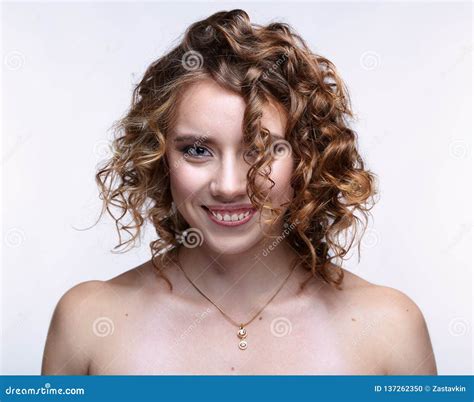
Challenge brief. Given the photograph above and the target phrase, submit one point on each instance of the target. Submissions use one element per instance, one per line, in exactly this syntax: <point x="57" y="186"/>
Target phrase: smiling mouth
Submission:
<point x="228" y="219"/>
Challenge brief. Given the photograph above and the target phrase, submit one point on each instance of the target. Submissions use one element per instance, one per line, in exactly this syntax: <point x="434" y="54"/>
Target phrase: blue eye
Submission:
<point x="192" y="151"/>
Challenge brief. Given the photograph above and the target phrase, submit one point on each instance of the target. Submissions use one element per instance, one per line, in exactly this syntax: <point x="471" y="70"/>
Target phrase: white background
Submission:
<point x="68" y="71"/>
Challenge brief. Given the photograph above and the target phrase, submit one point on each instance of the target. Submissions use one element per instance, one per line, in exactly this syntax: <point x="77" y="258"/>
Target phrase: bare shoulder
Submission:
<point x="392" y="301"/>
<point x="393" y="325"/>
<point x="95" y="297"/>
<point x="89" y="308"/>
<point x="66" y="348"/>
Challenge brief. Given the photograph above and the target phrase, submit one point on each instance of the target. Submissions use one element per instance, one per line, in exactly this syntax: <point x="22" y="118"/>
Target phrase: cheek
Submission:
<point x="188" y="180"/>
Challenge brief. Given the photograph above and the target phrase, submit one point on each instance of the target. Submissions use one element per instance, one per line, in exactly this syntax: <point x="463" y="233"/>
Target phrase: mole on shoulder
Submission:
<point x="260" y="318"/>
<point x="126" y="314"/>
<point x="232" y="369"/>
<point x="353" y="319"/>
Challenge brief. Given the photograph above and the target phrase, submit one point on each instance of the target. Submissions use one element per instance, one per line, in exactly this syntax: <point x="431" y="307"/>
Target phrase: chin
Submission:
<point x="232" y="246"/>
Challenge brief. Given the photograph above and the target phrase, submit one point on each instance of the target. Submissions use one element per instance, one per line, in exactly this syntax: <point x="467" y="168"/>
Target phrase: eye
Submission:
<point x="193" y="151"/>
<point x="251" y="153"/>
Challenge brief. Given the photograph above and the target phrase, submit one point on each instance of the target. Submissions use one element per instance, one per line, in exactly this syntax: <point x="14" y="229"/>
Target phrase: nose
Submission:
<point x="229" y="181"/>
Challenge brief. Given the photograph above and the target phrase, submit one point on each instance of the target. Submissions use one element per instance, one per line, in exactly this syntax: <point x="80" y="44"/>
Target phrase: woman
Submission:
<point x="237" y="148"/>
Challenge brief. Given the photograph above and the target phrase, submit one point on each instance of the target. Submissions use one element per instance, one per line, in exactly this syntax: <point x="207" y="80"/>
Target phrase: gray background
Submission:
<point x="67" y="74"/>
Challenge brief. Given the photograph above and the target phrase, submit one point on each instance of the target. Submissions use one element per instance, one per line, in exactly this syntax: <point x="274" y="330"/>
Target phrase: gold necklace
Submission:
<point x="242" y="332"/>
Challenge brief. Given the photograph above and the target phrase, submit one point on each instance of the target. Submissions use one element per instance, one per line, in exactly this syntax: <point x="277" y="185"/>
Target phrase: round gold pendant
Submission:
<point x="243" y="345"/>
<point x="242" y="333"/>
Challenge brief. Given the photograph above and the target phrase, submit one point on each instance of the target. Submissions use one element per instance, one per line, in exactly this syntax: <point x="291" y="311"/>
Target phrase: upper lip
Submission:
<point x="230" y="208"/>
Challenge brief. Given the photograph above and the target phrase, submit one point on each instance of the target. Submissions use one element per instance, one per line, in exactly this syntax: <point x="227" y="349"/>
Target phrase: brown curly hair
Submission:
<point x="262" y="64"/>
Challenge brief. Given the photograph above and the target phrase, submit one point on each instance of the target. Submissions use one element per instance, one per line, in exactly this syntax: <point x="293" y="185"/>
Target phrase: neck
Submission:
<point x="241" y="283"/>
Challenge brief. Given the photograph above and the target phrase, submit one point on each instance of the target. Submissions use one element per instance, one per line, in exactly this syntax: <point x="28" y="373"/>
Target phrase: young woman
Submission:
<point x="237" y="149"/>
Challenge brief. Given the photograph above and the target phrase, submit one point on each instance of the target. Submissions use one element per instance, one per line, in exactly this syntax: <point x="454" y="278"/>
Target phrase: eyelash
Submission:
<point x="185" y="150"/>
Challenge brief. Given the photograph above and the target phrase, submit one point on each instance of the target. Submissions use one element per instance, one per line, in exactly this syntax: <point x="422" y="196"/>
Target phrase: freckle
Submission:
<point x="353" y="319"/>
<point x="232" y="369"/>
<point x="260" y="318"/>
<point x="407" y="309"/>
<point x="126" y="314"/>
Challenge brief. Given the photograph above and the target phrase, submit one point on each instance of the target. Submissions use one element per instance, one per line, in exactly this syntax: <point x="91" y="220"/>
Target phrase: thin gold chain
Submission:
<point x="225" y="315"/>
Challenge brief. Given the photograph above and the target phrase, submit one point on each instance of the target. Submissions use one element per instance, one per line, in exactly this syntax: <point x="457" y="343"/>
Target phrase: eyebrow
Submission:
<point x="210" y="140"/>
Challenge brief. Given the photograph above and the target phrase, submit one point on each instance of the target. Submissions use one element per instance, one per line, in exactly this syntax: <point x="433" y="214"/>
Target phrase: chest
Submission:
<point x="207" y="344"/>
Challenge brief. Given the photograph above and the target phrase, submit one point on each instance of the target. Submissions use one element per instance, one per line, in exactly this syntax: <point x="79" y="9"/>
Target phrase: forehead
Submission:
<point x="206" y="108"/>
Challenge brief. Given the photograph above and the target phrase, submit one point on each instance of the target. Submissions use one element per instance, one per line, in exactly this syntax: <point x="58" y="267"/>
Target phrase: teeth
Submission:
<point x="229" y="218"/>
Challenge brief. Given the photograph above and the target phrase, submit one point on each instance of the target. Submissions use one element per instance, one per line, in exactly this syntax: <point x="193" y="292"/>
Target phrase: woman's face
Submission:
<point x="209" y="170"/>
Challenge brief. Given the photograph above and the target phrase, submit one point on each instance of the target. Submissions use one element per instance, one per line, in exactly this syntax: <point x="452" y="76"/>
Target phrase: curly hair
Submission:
<point x="261" y="64"/>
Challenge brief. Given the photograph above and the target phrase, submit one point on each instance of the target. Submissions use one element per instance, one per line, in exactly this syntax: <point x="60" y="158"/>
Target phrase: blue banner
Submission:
<point x="237" y="388"/>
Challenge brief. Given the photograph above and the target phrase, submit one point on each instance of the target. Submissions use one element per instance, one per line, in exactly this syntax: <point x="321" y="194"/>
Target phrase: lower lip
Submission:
<point x="230" y="223"/>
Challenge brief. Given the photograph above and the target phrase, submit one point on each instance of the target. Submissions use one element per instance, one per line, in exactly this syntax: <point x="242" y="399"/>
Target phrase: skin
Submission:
<point x="134" y="324"/>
